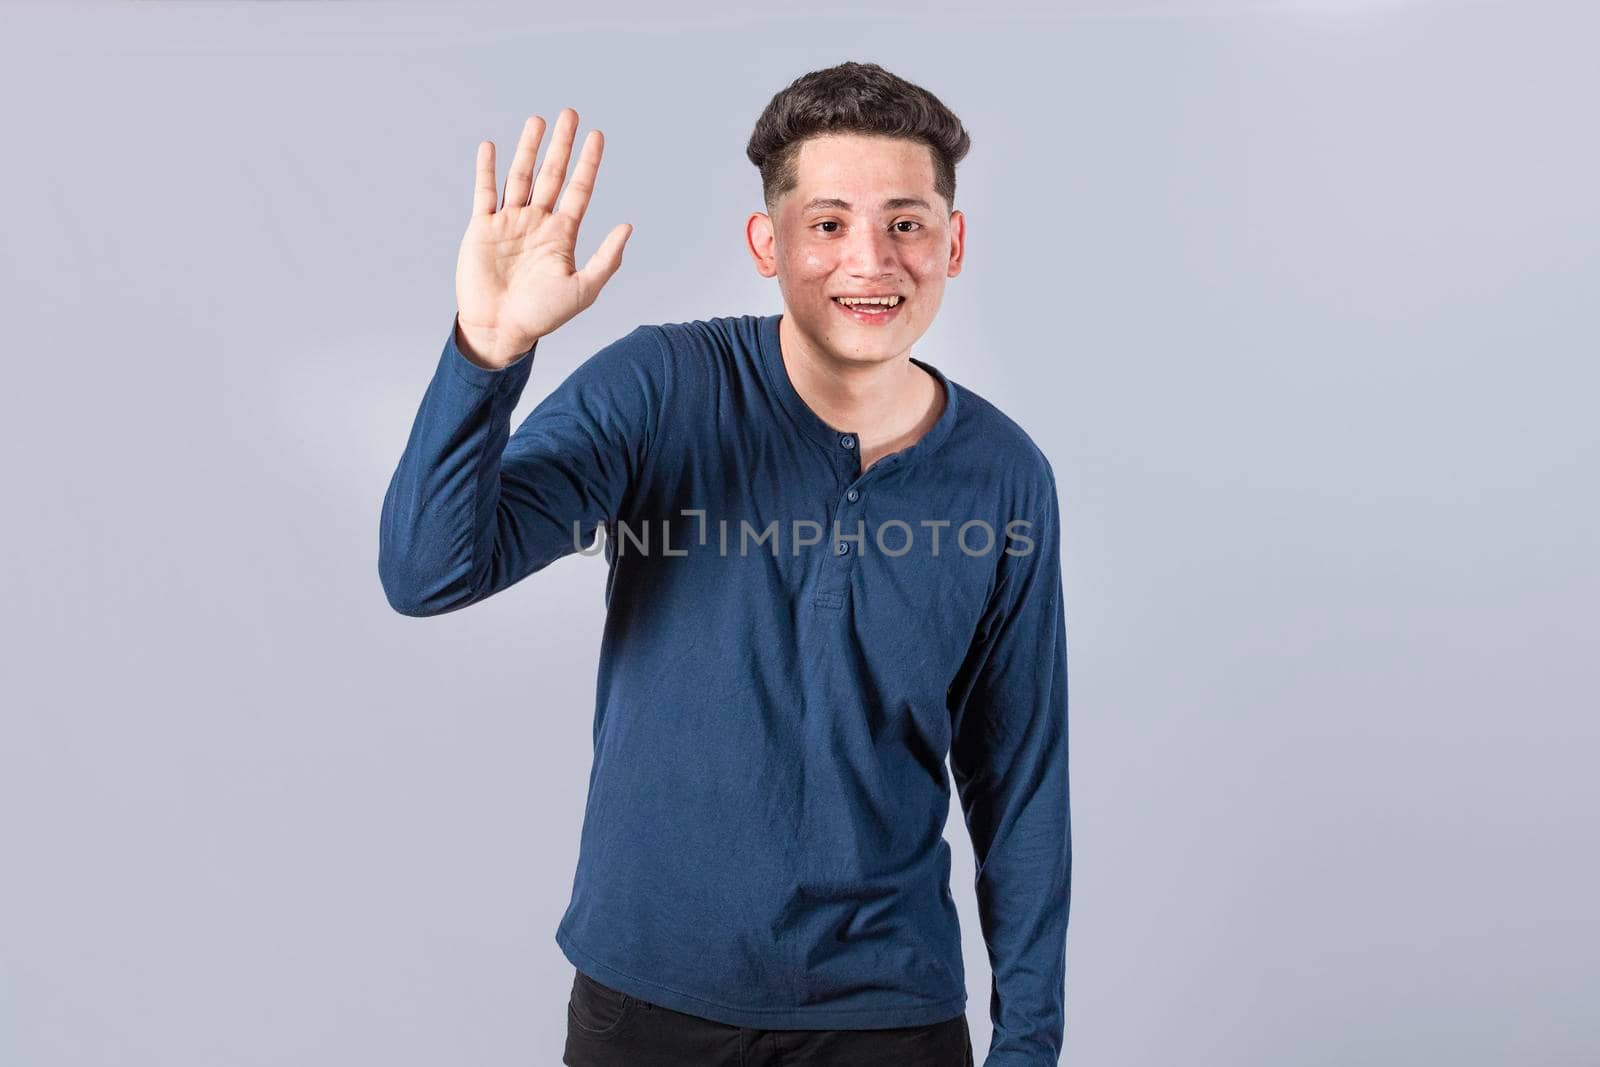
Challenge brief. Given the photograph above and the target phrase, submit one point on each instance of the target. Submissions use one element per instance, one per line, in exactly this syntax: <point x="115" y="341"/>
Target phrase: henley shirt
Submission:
<point x="791" y="649"/>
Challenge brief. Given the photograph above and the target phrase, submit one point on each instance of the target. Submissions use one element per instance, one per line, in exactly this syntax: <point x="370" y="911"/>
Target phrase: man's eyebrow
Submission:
<point x="894" y="203"/>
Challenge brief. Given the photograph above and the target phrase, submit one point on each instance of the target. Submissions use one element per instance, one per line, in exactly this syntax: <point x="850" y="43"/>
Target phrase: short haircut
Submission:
<point x="853" y="98"/>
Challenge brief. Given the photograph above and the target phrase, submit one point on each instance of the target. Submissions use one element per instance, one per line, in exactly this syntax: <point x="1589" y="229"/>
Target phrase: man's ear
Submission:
<point x="958" y="242"/>
<point x="762" y="240"/>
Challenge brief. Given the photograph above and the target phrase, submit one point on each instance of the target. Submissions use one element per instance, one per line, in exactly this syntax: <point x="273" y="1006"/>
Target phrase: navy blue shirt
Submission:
<point x="792" y="648"/>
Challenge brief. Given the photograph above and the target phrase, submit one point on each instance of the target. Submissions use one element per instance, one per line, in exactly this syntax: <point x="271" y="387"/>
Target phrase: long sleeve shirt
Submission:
<point x="792" y="648"/>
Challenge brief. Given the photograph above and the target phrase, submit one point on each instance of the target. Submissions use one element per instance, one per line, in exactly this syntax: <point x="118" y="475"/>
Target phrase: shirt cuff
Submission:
<point x="483" y="377"/>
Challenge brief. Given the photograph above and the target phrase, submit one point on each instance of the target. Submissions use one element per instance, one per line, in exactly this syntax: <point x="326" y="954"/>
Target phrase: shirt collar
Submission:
<point x="814" y="426"/>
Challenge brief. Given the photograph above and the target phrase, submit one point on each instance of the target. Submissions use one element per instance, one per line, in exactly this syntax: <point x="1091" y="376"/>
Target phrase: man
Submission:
<point x="830" y="567"/>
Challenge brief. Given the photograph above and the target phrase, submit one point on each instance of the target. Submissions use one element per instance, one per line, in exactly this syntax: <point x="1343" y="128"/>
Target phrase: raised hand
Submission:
<point x="516" y="274"/>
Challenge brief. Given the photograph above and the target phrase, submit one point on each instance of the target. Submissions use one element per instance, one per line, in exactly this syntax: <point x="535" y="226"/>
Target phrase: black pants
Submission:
<point x="609" y="1028"/>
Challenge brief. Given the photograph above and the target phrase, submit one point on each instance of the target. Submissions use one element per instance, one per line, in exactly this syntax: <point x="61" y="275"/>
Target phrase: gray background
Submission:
<point x="1299" y="298"/>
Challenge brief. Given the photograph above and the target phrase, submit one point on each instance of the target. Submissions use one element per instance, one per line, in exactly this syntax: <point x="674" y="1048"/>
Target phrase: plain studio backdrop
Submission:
<point x="1298" y="298"/>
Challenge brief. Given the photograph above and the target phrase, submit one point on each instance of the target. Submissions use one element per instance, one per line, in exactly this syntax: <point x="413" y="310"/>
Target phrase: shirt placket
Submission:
<point x="847" y="531"/>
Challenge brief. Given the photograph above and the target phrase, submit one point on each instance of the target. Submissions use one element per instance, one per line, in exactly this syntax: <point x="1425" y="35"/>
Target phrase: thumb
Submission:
<point x="606" y="259"/>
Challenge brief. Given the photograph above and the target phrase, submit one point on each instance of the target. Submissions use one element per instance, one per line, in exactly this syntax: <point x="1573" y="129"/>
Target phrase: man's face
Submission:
<point x="862" y="220"/>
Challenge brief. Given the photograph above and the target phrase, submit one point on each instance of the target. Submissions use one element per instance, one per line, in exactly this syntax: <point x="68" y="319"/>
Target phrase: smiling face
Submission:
<point x="863" y="220"/>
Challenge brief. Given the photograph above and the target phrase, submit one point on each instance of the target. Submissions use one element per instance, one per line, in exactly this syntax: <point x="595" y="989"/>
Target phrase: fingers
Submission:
<point x="606" y="259"/>
<point x="520" y="176"/>
<point x="575" y="197"/>
<point x="556" y="158"/>
<point x="483" y="195"/>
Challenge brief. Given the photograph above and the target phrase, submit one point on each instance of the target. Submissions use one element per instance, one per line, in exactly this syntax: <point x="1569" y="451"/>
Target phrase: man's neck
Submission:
<point x="890" y="405"/>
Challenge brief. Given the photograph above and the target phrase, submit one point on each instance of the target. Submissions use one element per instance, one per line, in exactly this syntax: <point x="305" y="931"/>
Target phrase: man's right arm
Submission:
<point x="472" y="508"/>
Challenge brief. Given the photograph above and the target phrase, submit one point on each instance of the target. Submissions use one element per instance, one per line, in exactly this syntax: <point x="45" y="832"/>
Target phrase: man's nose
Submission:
<point x="869" y="252"/>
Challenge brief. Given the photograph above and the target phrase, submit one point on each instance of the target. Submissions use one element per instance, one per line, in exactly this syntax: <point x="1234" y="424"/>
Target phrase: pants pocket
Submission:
<point x="595" y="1009"/>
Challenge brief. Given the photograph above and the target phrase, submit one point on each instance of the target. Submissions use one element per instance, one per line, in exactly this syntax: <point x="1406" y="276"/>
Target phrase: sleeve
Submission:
<point x="472" y="508"/>
<point x="1008" y="756"/>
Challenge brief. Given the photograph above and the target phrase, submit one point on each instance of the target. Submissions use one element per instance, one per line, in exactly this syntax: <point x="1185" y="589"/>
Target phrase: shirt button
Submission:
<point x="841" y="548"/>
<point x="852" y="495"/>
<point x="847" y="441"/>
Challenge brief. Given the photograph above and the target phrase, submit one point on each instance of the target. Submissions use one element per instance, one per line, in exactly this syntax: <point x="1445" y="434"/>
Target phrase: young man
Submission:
<point x="830" y="567"/>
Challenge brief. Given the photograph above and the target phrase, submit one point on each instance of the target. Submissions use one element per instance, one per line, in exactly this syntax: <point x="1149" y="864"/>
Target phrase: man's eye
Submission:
<point x="908" y="222"/>
<point x="825" y="222"/>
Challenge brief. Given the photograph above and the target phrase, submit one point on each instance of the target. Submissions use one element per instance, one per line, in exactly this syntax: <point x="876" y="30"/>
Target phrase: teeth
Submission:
<point x="851" y="301"/>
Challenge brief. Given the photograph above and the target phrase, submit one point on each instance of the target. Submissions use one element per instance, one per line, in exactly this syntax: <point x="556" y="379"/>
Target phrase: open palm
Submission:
<point x="517" y="278"/>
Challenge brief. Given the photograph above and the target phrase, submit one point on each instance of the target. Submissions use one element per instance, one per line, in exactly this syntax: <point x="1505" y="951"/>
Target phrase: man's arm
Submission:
<point x="468" y="512"/>
<point x="1009" y="757"/>
<point x="472" y="508"/>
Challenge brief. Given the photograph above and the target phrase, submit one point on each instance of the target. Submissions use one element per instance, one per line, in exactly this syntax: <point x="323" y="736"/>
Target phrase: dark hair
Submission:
<point x="853" y="98"/>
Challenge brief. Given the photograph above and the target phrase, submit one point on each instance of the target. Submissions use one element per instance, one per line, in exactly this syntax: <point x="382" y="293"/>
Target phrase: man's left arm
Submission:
<point x="1008" y="754"/>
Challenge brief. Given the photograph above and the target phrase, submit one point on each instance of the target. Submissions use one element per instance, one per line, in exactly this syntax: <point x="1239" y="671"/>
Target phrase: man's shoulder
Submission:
<point x="718" y="333"/>
<point x="698" y="357"/>
<point x="1001" y="439"/>
<point x="664" y="352"/>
